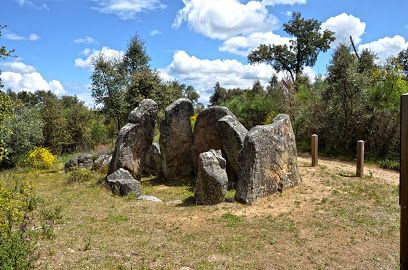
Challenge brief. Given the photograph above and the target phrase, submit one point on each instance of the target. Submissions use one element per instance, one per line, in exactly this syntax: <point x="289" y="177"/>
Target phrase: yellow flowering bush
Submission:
<point x="40" y="157"/>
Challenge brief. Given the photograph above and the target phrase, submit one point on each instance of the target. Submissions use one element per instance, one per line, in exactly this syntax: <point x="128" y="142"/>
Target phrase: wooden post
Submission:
<point x="403" y="198"/>
<point x="315" y="149"/>
<point x="360" y="159"/>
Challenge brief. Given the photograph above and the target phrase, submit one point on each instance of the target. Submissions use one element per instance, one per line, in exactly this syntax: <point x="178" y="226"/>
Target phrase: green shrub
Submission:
<point x="16" y="251"/>
<point x="40" y="158"/>
<point x="78" y="175"/>
<point x="389" y="164"/>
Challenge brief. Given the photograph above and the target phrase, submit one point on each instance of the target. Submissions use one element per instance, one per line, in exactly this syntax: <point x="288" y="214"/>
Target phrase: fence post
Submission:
<point x="403" y="198"/>
<point x="315" y="149"/>
<point x="360" y="159"/>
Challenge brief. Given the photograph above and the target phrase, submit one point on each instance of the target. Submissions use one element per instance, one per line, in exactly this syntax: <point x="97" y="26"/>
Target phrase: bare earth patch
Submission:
<point x="331" y="221"/>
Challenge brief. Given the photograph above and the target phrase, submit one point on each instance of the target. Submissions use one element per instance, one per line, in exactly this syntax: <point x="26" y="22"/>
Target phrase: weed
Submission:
<point x="87" y="245"/>
<point x="232" y="220"/>
<point x="78" y="175"/>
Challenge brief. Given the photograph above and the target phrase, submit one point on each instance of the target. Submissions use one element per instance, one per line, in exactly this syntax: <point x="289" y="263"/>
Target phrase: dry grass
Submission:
<point x="330" y="221"/>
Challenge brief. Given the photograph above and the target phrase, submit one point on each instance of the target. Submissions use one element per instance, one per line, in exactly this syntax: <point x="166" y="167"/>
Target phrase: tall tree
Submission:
<point x="403" y="60"/>
<point x="308" y="40"/>
<point x="219" y="95"/>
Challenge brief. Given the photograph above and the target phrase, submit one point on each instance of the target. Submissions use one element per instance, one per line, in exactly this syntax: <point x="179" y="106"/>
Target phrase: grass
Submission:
<point x="330" y="221"/>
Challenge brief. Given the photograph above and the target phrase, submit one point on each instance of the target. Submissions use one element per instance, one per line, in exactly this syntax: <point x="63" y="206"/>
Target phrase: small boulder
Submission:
<point x="102" y="163"/>
<point x="124" y="182"/>
<point x="71" y="164"/>
<point x="176" y="139"/>
<point x="268" y="161"/>
<point x="134" y="139"/>
<point x="212" y="179"/>
<point x="85" y="161"/>
<point x="152" y="163"/>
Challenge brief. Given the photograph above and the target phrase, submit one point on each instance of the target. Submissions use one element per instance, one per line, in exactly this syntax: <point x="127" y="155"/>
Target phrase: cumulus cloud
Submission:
<point x="105" y="51"/>
<point x="86" y="52"/>
<point x="223" y="19"/>
<point x="12" y="36"/>
<point x="204" y="73"/>
<point x="243" y="45"/>
<point x="85" y="40"/>
<point x="21" y="77"/>
<point x="127" y="9"/>
<point x="18" y="67"/>
<point x="386" y="47"/>
<point x="345" y="26"/>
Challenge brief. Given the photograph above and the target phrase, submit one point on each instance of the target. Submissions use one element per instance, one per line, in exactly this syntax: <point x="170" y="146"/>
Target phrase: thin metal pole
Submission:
<point x="315" y="149"/>
<point x="404" y="183"/>
<point x="360" y="159"/>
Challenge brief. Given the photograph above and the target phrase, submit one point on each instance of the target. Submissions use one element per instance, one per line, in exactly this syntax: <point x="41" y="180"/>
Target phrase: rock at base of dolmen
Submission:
<point x="152" y="163"/>
<point x="268" y="161"/>
<point x="176" y="139"/>
<point x="71" y="164"/>
<point x="134" y="139"/>
<point x="102" y="163"/>
<point x="85" y="161"/>
<point x="212" y="179"/>
<point x="123" y="181"/>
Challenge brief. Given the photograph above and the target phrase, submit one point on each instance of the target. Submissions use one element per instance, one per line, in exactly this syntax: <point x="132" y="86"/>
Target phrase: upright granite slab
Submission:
<point x="268" y="161"/>
<point x="134" y="139"/>
<point x="212" y="180"/>
<point x="206" y="133"/>
<point x="233" y="137"/>
<point x="176" y="139"/>
<point x="152" y="163"/>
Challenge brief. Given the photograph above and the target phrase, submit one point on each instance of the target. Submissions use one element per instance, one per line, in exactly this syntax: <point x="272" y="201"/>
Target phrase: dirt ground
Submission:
<point x="333" y="220"/>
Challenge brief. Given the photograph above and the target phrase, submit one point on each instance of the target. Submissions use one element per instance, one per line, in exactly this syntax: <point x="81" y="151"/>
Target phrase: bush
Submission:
<point x="16" y="251"/>
<point x="78" y="175"/>
<point x="40" y="157"/>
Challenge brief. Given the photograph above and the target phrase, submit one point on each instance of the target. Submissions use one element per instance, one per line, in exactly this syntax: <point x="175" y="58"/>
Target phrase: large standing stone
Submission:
<point x="233" y="137"/>
<point x="206" y="134"/>
<point x="268" y="161"/>
<point x="134" y="139"/>
<point x="124" y="182"/>
<point x="212" y="179"/>
<point x="176" y="139"/>
<point x="153" y="160"/>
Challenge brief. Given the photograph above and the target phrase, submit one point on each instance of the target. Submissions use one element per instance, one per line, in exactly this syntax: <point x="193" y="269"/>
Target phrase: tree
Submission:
<point x="4" y="53"/>
<point x="219" y="95"/>
<point x="307" y="42"/>
<point x="403" y="60"/>
<point x="109" y="86"/>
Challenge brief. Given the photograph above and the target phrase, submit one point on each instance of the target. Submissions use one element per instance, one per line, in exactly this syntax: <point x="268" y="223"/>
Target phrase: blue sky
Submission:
<point x="197" y="42"/>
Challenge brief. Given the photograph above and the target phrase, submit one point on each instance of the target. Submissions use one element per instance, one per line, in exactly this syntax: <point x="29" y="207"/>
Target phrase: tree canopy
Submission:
<point x="307" y="42"/>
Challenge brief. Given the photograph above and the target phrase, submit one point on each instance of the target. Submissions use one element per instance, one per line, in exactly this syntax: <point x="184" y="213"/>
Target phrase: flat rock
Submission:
<point x="176" y="139"/>
<point x="268" y="161"/>
<point x="85" y="161"/>
<point x="212" y="179"/>
<point x="124" y="182"/>
<point x="149" y="198"/>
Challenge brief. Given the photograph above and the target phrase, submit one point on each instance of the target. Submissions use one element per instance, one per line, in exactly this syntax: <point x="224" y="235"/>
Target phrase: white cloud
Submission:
<point x="205" y="73"/>
<point x="106" y="51"/>
<point x="386" y="47"/>
<point x="31" y="4"/>
<point x="23" y="77"/>
<point x="222" y="19"/>
<point x="155" y="32"/>
<point x="12" y="36"/>
<point x="86" y="52"/>
<point x="243" y="45"/>
<point x="18" y="67"/>
<point x="345" y="26"/>
<point x="283" y="2"/>
<point x="85" y="40"/>
<point x="127" y="9"/>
